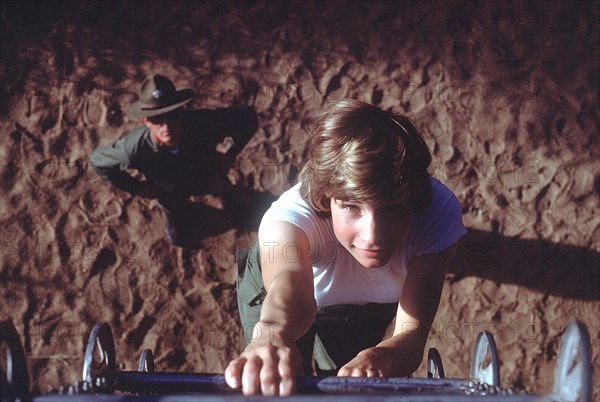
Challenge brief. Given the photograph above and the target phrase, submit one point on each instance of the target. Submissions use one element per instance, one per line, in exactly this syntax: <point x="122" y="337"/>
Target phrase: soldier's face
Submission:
<point x="165" y="129"/>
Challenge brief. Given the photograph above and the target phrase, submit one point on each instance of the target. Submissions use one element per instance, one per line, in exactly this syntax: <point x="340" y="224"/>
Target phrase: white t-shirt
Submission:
<point x="338" y="277"/>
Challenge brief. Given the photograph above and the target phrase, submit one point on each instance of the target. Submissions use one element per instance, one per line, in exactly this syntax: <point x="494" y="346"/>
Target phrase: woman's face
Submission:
<point x="370" y="231"/>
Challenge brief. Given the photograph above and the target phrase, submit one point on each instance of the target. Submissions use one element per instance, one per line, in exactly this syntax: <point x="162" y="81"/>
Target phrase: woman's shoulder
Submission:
<point x="292" y="200"/>
<point x="291" y="207"/>
<point x="442" y="199"/>
<point x="440" y="223"/>
<point x="440" y="192"/>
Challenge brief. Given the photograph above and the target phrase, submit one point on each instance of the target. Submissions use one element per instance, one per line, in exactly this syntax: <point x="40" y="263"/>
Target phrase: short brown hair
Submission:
<point x="362" y="153"/>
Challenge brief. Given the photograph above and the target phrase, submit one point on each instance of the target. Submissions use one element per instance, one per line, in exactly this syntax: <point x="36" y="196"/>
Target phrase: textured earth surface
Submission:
<point x="506" y="95"/>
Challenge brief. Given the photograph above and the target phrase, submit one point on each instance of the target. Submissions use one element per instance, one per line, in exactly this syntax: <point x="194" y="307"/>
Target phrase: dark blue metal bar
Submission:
<point x="164" y="382"/>
<point x="228" y="397"/>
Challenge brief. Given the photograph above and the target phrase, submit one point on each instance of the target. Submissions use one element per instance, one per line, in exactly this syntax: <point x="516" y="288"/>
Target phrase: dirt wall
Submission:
<point x="506" y="95"/>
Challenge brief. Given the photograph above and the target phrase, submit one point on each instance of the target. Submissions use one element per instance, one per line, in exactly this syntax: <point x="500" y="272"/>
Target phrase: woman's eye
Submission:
<point x="350" y="208"/>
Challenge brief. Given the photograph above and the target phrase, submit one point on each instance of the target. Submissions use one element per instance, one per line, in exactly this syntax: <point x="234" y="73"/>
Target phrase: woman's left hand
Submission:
<point x="372" y="362"/>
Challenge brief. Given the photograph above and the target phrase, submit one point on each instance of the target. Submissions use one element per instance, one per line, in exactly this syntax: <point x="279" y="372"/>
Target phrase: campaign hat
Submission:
<point x="157" y="96"/>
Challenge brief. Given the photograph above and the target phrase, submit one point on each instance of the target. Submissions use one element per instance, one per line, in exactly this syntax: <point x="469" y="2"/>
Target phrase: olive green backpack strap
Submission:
<point x="250" y="289"/>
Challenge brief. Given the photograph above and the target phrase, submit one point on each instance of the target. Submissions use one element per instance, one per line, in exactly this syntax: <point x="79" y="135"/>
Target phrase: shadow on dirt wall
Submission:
<point x="540" y="265"/>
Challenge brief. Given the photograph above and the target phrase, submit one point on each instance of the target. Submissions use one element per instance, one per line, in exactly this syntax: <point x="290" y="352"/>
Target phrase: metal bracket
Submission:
<point x="146" y="363"/>
<point x="15" y="380"/>
<point x="100" y="345"/>
<point x="573" y="374"/>
<point x="485" y="364"/>
<point x="435" y="368"/>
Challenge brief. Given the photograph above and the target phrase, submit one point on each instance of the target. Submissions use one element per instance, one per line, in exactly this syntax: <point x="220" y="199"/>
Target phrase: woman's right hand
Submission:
<point x="269" y="366"/>
<point x="271" y="362"/>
